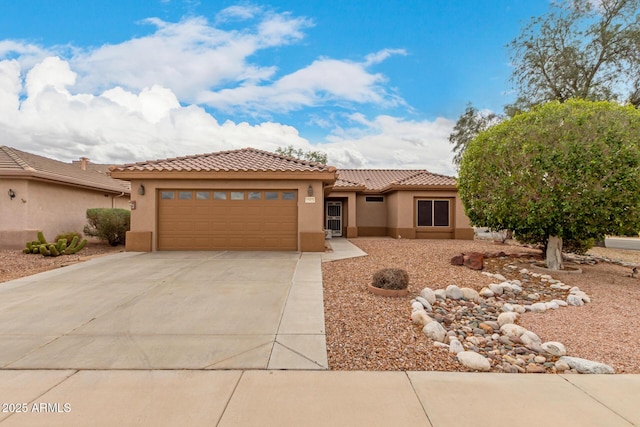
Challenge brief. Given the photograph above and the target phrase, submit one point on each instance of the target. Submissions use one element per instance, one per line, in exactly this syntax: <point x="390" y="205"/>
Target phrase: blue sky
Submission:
<point x="374" y="84"/>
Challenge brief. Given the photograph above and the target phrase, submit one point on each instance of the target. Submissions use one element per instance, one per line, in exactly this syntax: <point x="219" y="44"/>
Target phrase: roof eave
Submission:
<point x="398" y="187"/>
<point x="63" y="180"/>
<point x="326" y="176"/>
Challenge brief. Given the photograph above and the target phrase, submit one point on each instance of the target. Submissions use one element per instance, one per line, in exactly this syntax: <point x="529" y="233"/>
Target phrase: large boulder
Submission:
<point x="435" y="331"/>
<point x="429" y="295"/>
<point x="554" y="348"/>
<point x="507" y="317"/>
<point x="474" y="260"/>
<point x="453" y="292"/>
<point x="473" y="360"/>
<point x="585" y="366"/>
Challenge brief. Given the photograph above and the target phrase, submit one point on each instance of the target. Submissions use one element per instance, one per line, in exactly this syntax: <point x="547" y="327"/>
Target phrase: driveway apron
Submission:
<point x="168" y="310"/>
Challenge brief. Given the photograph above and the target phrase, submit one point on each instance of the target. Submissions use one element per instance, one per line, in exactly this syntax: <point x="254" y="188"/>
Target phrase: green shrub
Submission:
<point x="391" y="278"/>
<point x="108" y="224"/>
<point x="569" y="244"/>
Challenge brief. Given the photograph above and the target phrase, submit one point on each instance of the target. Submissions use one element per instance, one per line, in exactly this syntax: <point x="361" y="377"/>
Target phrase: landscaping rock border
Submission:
<point x="480" y="327"/>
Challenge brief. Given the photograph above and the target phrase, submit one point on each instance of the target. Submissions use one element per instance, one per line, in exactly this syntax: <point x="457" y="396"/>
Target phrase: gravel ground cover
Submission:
<point x="367" y="332"/>
<point x="14" y="264"/>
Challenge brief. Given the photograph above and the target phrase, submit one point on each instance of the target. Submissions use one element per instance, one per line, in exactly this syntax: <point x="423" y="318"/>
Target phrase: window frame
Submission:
<point x="433" y="209"/>
<point x="374" y="199"/>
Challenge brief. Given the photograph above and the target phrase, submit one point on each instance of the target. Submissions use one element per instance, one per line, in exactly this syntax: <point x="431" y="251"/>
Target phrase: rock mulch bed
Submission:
<point x="480" y="327"/>
<point x="368" y="332"/>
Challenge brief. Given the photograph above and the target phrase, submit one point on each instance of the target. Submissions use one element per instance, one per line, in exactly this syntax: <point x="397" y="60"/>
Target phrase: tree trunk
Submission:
<point x="554" y="253"/>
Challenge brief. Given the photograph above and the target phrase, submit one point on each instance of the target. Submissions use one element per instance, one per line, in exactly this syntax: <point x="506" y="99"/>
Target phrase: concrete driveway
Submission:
<point x="168" y="310"/>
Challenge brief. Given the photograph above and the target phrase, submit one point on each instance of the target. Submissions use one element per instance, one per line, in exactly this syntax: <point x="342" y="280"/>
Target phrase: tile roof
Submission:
<point x="380" y="179"/>
<point x="22" y="164"/>
<point x="243" y="160"/>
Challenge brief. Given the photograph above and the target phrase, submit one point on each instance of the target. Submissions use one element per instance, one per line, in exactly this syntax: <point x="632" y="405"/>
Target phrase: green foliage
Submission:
<point x="580" y="49"/>
<point x="468" y="126"/>
<point x="75" y="249"/>
<point x="312" y="156"/>
<point x="61" y="247"/>
<point x="570" y="170"/>
<point x="53" y="249"/>
<point x="391" y="278"/>
<point x="108" y="224"/>
<point x="69" y="235"/>
<point x="41" y="238"/>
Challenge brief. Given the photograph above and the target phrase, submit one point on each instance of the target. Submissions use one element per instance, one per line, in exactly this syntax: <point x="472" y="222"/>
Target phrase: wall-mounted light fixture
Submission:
<point x="310" y="191"/>
<point x="12" y="194"/>
<point x="141" y="190"/>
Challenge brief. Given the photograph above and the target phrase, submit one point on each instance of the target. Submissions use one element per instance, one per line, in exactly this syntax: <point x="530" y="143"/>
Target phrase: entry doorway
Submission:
<point x="334" y="218"/>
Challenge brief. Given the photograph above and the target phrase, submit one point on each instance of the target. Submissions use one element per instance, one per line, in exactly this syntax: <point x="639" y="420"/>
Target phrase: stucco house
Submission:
<point x="250" y="199"/>
<point x="38" y="193"/>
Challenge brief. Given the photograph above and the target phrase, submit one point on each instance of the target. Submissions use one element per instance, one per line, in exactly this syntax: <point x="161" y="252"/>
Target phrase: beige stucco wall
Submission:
<point x="144" y="217"/>
<point x="371" y="214"/>
<point x="51" y="208"/>
<point x="401" y="212"/>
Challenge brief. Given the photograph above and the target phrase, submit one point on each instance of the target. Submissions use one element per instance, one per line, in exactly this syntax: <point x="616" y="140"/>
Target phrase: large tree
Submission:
<point x="588" y="49"/>
<point x="562" y="170"/>
<point x="468" y="126"/>
<point x="312" y="156"/>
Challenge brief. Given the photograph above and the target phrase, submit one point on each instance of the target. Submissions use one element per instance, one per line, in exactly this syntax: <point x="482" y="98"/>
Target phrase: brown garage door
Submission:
<point x="227" y="220"/>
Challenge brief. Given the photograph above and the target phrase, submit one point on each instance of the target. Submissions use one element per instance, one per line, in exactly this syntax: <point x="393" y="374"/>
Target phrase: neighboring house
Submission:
<point x="250" y="199"/>
<point x="41" y="194"/>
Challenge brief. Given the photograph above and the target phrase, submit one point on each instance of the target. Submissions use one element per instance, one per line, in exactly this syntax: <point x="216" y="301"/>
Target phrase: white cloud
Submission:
<point x="392" y="142"/>
<point x="122" y="126"/>
<point x="238" y="13"/>
<point x="324" y="81"/>
<point x="141" y="99"/>
<point x="118" y="125"/>
<point x="191" y="57"/>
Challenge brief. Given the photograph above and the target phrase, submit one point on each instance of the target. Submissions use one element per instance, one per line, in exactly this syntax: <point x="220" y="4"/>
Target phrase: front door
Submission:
<point x="334" y="218"/>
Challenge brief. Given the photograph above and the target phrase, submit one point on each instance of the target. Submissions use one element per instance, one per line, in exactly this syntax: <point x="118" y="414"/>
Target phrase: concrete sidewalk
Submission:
<point x="342" y="249"/>
<point x="316" y="398"/>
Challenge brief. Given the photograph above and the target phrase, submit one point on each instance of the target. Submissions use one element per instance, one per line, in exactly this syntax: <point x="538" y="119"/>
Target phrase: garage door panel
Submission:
<point x="211" y="224"/>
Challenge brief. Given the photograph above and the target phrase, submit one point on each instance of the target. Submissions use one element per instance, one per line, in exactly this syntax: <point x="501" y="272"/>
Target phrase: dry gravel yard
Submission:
<point x="367" y="332"/>
<point x="14" y="264"/>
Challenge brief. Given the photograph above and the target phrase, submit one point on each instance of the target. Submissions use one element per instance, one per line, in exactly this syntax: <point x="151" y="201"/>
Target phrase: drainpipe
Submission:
<point x="113" y="200"/>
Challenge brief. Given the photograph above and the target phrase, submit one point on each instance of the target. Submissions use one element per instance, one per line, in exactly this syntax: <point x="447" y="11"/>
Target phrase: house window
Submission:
<point x="184" y="195"/>
<point x="167" y="195"/>
<point x="202" y="195"/>
<point x="254" y="195"/>
<point x="219" y="195"/>
<point x="374" y="199"/>
<point x="288" y="195"/>
<point x="433" y="213"/>
<point x="237" y="195"/>
<point x="271" y="195"/>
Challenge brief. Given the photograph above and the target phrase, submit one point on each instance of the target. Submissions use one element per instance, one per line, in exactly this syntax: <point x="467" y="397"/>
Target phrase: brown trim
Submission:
<point x="398" y="187"/>
<point x="372" y="231"/>
<point x="434" y="234"/>
<point x="464" y="234"/>
<point x="402" y="233"/>
<point x="311" y="242"/>
<point x="352" y="232"/>
<point x="138" y="241"/>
